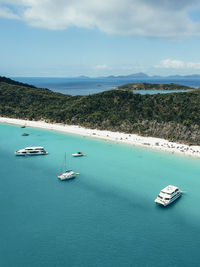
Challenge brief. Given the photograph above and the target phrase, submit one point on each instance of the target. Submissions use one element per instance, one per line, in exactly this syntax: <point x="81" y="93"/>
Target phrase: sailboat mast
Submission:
<point x="65" y="163"/>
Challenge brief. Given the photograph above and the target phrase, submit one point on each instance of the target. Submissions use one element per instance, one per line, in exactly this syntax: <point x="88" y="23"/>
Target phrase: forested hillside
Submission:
<point x="153" y="86"/>
<point x="173" y="116"/>
<point x="10" y="81"/>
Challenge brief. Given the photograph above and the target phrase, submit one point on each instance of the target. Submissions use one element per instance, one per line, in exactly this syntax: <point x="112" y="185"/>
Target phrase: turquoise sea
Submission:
<point x="106" y="217"/>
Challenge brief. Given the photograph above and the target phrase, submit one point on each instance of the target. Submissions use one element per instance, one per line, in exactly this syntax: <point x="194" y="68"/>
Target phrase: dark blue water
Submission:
<point x="106" y="217"/>
<point x="85" y="86"/>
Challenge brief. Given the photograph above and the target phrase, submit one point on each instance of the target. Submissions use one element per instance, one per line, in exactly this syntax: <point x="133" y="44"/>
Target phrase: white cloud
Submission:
<point x="171" y="64"/>
<point x="193" y="65"/>
<point x="7" y="13"/>
<point x="152" y="18"/>
<point x="178" y="64"/>
<point x="102" y="67"/>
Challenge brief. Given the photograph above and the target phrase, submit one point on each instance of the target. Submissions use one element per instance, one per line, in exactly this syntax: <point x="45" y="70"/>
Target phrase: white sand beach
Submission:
<point x="117" y="137"/>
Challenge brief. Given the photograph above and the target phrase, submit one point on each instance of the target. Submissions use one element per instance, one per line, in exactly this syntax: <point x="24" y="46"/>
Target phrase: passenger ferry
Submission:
<point x="168" y="195"/>
<point x="31" y="151"/>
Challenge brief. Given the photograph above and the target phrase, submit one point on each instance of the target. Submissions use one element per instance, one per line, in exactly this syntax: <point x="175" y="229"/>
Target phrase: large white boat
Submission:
<point x="68" y="174"/>
<point x="31" y="151"/>
<point x="168" y="195"/>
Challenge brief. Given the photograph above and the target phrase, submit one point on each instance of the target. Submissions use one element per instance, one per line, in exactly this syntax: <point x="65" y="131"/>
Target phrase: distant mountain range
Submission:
<point x="141" y="75"/>
<point x="130" y="76"/>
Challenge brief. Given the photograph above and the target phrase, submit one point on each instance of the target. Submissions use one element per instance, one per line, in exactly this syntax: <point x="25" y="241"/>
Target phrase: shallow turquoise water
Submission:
<point x="153" y="92"/>
<point x="105" y="217"/>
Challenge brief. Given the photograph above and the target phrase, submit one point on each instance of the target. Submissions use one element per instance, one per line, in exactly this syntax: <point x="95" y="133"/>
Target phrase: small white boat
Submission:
<point x="68" y="174"/>
<point x="168" y="195"/>
<point x="25" y="134"/>
<point x="78" y="154"/>
<point x="31" y="151"/>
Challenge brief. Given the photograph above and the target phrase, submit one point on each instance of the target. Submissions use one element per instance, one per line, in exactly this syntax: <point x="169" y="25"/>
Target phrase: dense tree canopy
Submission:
<point x="174" y="116"/>
<point x="10" y="81"/>
<point x="153" y="86"/>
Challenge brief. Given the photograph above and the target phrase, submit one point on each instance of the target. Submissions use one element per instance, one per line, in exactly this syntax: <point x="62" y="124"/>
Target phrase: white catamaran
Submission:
<point x="68" y="174"/>
<point x="168" y="195"/>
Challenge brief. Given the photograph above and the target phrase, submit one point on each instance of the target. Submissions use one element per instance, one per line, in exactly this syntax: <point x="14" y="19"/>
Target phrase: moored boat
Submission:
<point x="78" y="154"/>
<point x="68" y="174"/>
<point x="25" y="134"/>
<point x="31" y="151"/>
<point x="168" y="195"/>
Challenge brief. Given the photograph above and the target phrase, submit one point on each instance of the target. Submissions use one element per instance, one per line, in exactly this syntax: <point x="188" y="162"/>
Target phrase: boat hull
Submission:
<point x="30" y="154"/>
<point x="163" y="203"/>
<point x="68" y="175"/>
<point x="62" y="178"/>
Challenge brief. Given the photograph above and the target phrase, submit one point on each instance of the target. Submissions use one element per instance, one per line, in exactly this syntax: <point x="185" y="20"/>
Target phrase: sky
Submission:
<point x="68" y="38"/>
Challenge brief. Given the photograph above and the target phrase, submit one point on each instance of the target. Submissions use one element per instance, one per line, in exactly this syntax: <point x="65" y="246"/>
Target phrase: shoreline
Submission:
<point x="117" y="137"/>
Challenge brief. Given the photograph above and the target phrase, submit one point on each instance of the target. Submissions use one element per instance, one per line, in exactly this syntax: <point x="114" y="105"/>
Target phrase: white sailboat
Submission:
<point x="67" y="174"/>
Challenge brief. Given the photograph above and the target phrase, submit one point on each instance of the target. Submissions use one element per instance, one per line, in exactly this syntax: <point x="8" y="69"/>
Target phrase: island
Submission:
<point x="174" y="116"/>
<point x="153" y="86"/>
<point x="141" y="75"/>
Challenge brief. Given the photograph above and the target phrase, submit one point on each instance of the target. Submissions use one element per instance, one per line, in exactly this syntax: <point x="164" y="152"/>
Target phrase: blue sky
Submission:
<point x="65" y="38"/>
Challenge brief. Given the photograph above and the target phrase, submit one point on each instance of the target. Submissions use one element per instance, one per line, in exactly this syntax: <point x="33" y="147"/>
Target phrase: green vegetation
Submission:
<point x="175" y="116"/>
<point x="10" y="81"/>
<point x="149" y="86"/>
